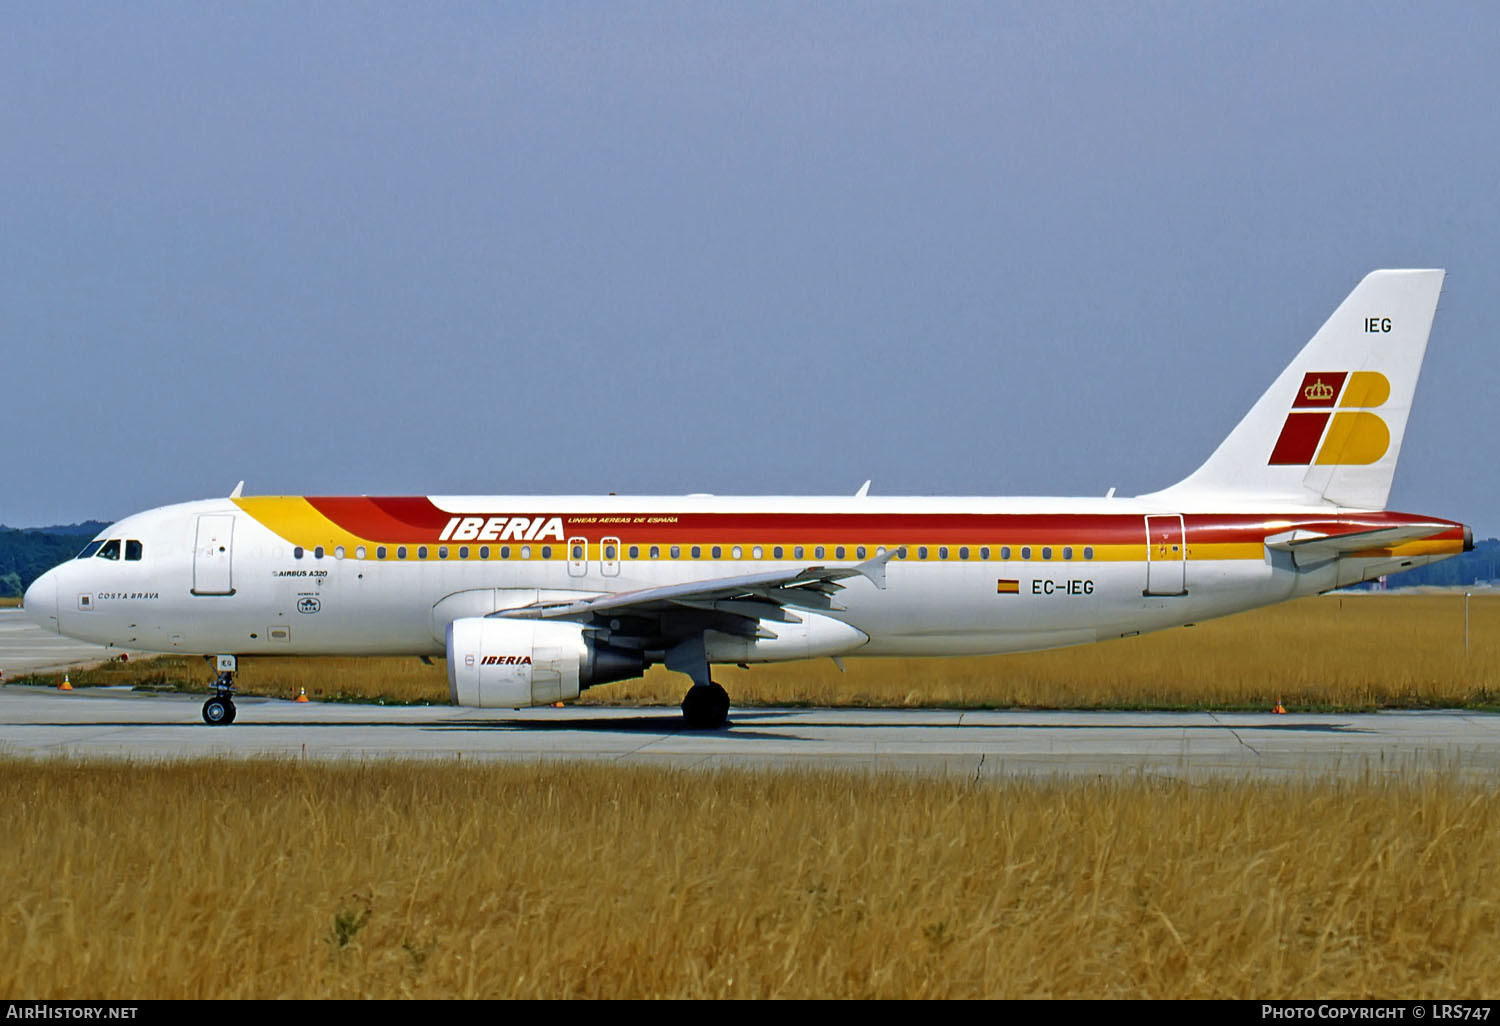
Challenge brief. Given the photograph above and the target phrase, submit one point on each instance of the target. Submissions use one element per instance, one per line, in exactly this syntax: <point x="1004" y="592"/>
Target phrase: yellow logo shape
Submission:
<point x="1358" y="438"/>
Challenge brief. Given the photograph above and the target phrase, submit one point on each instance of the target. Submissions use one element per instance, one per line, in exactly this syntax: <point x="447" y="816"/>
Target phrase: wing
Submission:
<point x="673" y="618"/>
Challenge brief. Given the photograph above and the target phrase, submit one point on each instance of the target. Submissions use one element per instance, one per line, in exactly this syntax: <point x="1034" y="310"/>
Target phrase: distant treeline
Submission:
<point x="28" y="553"/>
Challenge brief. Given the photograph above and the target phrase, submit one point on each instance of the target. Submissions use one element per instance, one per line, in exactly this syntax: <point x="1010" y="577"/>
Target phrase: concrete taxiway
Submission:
<point x="26" y="648"/>
<point x="41" y="722"/>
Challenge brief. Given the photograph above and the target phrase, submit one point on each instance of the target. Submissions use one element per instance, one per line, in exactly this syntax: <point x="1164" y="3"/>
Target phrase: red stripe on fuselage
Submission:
<point x="416" y="519"/>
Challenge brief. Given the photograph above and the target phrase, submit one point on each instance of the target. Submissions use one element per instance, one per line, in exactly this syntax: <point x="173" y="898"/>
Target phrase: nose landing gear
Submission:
<point x="219" y="710"/>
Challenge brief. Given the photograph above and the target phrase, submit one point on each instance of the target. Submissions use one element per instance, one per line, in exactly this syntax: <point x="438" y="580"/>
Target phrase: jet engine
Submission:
<point x="497" y="663"/>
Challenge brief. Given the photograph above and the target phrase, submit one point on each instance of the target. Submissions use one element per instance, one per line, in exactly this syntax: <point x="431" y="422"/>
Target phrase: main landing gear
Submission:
<point x="219" y="710"/>
<point x="706" y="707"/>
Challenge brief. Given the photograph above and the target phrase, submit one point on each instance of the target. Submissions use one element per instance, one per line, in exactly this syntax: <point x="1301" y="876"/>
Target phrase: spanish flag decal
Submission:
<point x="1350" y="436"/>
<point x="1004" y="587"/>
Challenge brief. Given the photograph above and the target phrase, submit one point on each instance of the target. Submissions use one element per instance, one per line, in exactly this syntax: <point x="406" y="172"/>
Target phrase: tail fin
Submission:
<point x="1329" y="430"/>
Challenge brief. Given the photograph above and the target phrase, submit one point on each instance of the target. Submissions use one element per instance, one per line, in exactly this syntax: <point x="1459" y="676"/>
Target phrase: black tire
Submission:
<point x="706" y="707"/>
<point x="218" y="712"/>
<point x="233" y="712"/>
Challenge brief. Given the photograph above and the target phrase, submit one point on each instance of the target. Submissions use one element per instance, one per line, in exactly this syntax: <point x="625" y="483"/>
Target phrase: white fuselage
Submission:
<point x="262" y="576"/>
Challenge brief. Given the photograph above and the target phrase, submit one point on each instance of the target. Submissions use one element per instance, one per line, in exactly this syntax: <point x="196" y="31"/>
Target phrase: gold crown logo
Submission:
<point x="1318" y="390"/>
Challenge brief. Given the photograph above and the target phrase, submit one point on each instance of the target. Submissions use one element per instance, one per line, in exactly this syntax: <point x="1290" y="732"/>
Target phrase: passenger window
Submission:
<point x="89" y="549"/>
<point x="463" y="552"/>
<point x="921" y="551"/>
<point x="401" y="552"/>
<point x="484" y="552"/>
<point x="546" y="551"/>
<point x="838" y="553"/>
<point x="1067" y="552"/>
<point x="577" y="551"/>
<point x="797" y="552"/>
<point x="697" y="551"/>
<point x="984" y="552"/>
<point x="442" y="552"/>
<point x="757" y="552"/>
<point x="505" y="552"/>
<point x="318" y="552"/>
<point x="111" y="549"/>
<point x="859" y="553"/>
<point x="656" y="552"/>
<point x="942" y="552"/>
<point x="818" y="552"/>
<point x="609" y="552"/>
<point x="676" y="551"/>
<point x="635" y="552"/>
<point x="1088" y="552"/>
<point x="133" y="550"/>
<point x="718" y="552"/>
<point x="736" y="552"/>
<point x="1025" y="551"/>
<point x="338" y="553"/>
<point x="297" y="552"/>
<point x="421" y="552"/>
<point x="380" y="552"/>
<point x="1046" y="552"/>
<point x="776" y="552"/>
<point x="525" y="551"/>
<point x="963" y="552"/>
<point x="1005" y="552"/>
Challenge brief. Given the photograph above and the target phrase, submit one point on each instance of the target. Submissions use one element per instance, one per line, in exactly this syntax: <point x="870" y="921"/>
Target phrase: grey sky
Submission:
<point x="659" y="248"/>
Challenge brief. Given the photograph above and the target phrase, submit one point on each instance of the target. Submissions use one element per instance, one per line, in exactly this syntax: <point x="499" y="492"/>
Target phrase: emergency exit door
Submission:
<point x="1166" y="556"/>
<point x="213" y="555"/>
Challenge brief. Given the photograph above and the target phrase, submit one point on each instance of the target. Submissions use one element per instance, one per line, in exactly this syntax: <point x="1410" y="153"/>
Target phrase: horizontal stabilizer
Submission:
<point x="1308" y="547"/>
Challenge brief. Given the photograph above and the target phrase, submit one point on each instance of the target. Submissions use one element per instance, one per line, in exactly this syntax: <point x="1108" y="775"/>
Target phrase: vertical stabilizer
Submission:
<point x="1329" y="429"/>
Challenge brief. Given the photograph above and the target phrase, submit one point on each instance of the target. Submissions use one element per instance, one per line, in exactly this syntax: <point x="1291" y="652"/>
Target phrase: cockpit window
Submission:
<point x="111" y="549"/>
<point x="89" y="549"/>
<point x="133" y="550"/>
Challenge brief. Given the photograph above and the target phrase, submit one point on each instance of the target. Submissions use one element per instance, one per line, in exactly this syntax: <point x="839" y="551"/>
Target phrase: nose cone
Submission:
<point x="40" y="603"/>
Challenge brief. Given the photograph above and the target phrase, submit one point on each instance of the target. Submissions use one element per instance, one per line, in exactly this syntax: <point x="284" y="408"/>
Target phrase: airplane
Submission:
<point x="531" y="600"/>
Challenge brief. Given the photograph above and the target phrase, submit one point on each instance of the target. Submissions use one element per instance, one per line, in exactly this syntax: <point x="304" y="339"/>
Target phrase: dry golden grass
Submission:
<point x="1345" y="652"/>
<point x="10" y="601"/>
<point x="280" y="879"/>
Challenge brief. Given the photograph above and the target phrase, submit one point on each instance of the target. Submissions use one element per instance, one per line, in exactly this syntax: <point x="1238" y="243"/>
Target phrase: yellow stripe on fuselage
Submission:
<point x="294" y="519"/>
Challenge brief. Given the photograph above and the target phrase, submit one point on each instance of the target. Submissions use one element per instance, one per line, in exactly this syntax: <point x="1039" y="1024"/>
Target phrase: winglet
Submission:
<point x="874" y="568"/>
<point x="237" y="490"/>
<point x="864" y="490"/>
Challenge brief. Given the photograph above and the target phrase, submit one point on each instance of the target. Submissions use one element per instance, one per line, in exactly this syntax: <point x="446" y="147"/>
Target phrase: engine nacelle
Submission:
<point x="495" y="663"/>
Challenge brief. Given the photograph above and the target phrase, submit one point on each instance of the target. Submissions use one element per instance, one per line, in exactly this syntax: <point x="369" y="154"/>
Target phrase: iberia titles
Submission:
<point x="502" y="529"/>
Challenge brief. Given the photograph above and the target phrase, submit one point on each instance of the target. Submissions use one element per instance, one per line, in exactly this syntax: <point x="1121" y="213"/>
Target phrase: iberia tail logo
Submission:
<point x="1331" y="423"/>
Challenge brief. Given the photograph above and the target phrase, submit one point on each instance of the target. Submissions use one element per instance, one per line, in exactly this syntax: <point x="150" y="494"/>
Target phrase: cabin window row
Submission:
<point x="777" y="552"/>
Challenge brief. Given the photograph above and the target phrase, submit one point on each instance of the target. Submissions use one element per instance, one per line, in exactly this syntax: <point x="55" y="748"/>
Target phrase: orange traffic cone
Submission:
<point x="66" y="685"/>
<point x="1278" y="708"/>
<point x="301" y="694"/>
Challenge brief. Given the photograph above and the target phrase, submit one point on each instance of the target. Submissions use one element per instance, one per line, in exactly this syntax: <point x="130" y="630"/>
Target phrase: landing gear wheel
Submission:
<point x="706" y="707"/>
<point x="218" y="711"/>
